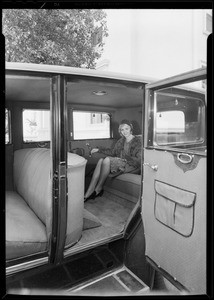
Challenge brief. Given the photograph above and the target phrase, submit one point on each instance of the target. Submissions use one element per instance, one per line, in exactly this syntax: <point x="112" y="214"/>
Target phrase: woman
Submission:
<point x="125" y="157"/>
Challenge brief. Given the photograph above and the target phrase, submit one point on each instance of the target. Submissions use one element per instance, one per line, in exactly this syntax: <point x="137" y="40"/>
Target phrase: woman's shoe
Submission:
<point x="99" y="194"/>
<point x="92" y="196"/>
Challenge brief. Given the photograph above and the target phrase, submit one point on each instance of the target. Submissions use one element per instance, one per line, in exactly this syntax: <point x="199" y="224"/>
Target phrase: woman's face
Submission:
<point x="125" y="130"/>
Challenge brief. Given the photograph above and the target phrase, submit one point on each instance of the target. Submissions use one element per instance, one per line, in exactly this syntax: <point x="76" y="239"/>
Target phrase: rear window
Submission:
<point x="91" y="125"/>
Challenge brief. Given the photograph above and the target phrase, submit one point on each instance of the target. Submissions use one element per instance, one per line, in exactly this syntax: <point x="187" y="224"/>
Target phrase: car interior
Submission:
<point x="28" y="165"/>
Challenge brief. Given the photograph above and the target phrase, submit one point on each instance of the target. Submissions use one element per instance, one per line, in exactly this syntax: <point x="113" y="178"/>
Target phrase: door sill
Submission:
<point x="77" y="249"/>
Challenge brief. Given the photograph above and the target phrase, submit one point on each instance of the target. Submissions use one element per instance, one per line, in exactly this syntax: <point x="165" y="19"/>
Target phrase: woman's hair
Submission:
<point x="125" y="122"/>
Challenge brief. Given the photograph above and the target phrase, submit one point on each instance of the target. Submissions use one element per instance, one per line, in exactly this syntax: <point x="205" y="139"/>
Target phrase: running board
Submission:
<point x="114" y="283"/>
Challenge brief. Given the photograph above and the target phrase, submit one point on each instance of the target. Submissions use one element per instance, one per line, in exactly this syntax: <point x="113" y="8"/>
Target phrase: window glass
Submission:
<point x="36" y="125"/>
<point x="7" y="127"/>
<point x="178" y="119"/>
<point x="91" y="125"/>
<point x="170" y="122"/>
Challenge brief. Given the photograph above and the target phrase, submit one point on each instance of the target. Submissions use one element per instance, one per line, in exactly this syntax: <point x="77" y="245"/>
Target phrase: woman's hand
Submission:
<point x="94" y="150"/>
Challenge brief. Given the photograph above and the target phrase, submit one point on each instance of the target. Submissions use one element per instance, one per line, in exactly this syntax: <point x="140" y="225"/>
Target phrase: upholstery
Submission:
<point x="76" y="182"/>
<point x="174" y="208"/>
<point x="30" y="205"/>
<point x="25" y="233"/>
<point x="125" y="185"/>
<point x="32" y="181"/>
<point x="178" y="248"/>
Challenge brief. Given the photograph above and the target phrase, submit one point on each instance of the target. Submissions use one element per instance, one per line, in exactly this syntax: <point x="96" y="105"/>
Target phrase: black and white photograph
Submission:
<point x="106" y="183"/>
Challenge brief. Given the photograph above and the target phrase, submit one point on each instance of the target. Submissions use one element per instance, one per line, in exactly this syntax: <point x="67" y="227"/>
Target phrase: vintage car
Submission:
<point x="146" y="234"/>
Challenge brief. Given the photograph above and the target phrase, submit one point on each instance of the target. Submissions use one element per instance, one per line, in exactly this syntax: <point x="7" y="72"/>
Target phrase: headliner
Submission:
<point x="31" y="82"/>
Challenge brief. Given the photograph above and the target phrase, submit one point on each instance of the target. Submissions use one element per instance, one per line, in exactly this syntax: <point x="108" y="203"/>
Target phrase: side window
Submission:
<point x="178" y="120"/>
<point x="36" y="125"/>
<point x="7" y="126"/>
<point x="91" y="125"/>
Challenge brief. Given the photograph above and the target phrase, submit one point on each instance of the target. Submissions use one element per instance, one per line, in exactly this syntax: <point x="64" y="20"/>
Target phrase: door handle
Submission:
<point x="184" y="158"/>
<point x="153" y="167"/>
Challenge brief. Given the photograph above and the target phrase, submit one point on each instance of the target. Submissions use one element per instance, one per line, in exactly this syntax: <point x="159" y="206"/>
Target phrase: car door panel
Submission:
<point x="180" y="251"/>
<point x="174" y="188"/>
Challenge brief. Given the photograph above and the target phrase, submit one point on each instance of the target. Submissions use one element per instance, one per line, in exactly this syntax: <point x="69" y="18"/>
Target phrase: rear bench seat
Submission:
<point x="29" y="206"/>
<point x="125" y="185"/>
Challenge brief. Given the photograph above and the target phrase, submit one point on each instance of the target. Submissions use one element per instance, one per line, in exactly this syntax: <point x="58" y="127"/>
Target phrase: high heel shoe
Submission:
<point x="99" y="194"/>
<point x="92" y="196"/>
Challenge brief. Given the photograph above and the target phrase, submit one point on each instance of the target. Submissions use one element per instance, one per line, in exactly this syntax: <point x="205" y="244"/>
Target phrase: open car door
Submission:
<point x="174" y="184"/>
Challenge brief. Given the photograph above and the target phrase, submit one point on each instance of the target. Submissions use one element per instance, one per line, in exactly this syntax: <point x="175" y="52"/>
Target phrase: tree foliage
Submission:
<point x="53" y="36"/>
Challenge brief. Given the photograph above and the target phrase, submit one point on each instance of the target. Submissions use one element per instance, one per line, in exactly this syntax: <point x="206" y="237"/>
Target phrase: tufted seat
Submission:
<point x="29" y="206"/>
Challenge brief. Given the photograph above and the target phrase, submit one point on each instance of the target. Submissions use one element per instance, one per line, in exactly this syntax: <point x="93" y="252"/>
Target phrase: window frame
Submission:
<point x="173" y="145"/>
<point x="40" y="141"/>
<point x="9" y="127"/>
<point x="175" y="81"/>
<point x="71" y="117"/>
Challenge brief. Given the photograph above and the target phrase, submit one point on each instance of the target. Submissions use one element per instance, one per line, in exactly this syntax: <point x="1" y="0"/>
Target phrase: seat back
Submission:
<point x="32" y="180"/>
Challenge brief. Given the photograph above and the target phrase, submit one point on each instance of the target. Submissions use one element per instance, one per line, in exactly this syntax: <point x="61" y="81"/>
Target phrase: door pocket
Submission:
<point x="174" y="208"/>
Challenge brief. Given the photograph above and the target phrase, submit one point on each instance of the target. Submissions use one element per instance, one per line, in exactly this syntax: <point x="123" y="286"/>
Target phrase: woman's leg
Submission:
<point x="105" y="170"/>
<point x="94" y="179"/>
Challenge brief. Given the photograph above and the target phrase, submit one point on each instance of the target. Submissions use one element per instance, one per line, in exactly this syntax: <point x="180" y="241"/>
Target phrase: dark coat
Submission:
<point x="134" y="156"/>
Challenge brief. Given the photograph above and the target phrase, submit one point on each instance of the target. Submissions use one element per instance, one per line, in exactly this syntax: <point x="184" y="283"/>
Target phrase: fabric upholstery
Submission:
<point x="32" y="201"/>
<point x="182" y="257"/>
<point x="174" y="208"/>
<point x="25" y="233"/>
<point x="125" y="185"/>
<point x="76" y="182"/>
<point x="32" y="180"/>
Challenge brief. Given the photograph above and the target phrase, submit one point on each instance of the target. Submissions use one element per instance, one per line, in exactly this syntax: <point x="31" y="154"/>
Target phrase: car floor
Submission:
<point x="112" y="211"/>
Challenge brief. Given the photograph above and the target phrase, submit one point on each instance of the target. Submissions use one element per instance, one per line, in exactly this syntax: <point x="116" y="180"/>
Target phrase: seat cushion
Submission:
<point x="25" y="233"/>
<point x="125" y="185"/>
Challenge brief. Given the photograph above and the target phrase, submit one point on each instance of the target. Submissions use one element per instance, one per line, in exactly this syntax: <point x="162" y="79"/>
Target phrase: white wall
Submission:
<point x="156" y="43"/>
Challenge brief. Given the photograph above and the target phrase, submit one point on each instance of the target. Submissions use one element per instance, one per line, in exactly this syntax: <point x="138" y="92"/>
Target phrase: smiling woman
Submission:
<point x="125" y="157"/>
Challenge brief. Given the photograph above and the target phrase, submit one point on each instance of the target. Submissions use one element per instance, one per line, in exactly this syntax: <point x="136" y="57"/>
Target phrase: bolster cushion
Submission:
<point x="76" y="182"/>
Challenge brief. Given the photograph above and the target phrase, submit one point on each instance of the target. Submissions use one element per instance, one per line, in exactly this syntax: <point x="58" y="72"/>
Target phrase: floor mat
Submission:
<point x="112" y="211"/>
